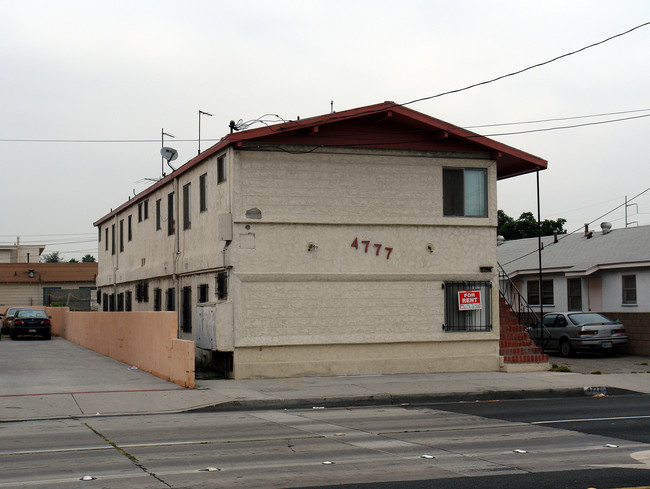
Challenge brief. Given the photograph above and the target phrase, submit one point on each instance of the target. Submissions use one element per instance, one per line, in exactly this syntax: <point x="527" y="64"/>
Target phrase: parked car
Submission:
<point x="569" y="332"/>
<point x="30" y="322"/>
<point x="7" y="317"/>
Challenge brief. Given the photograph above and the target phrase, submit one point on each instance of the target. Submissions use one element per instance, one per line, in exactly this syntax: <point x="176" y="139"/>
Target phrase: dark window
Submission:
<point x="532" y="292"/>
<point x="112" y="239"/>
<point x="111" y="306"/>
<point x="146" y="209"/>
<point x="203" y="192"/>
<point x="157" y="299"/>
<point x="130" y="230"/>
<point x="129" y="299"/>
<point x="222" y="285"/>
<point x="99" y="230"/>
<point x="120" y="301"/>
<point x="105" y="304"/>
<point x="171" y="299"/>
<point x="221" y="169"/>
<point x="204" y="293"/>
<point x="171" y="223"/>
<point x="158" y="215"/>
<point x="187" y="210"/>
<point x="574" y="289"/>
<point x="106" y="240"/>
<point x="463" y="314"/>
<point x="121" y="235"/>
<point x="464" y="192"/>
<point x="629" y="289"/>
<point x="140" y="212"/>
<point x="99" y="297"/>
<point x="186" y="310"/>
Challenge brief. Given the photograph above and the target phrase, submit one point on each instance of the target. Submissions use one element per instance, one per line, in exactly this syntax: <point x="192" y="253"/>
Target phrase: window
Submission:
<point x="222" y="285"/>
<point x="221" y="169"/>
<point x="121" y="235"/>
<point x="464" y="192"/>
<point x="171" y="223"/>
<point x="112" y="239"/>
<point x="204" y="293"/>
<point x="187" y="211"/>
<point x="111" y="306"/>
<point x="140" y="212"/>
<point x="157" y="299"/>
<point x="462" y="314"/>
<point x="158" y="215"/>
<point x="146" y="209"/>
<point x="171" y="299"/>
<point x="120" y="301"/>
<point x="130" y="231"/>
<point x="106" y="240"/>
<point x="629" y="289"/>
<point x="105" y="302"/>
<point x="186" y="310"/>
<point x="532" y="290"/>
<point x="129" y="301"/>
<point x="574" y="290"/>
<point x="142" y="292"/>
<point x="203" y="192"/>
<point x="99" y="229"/>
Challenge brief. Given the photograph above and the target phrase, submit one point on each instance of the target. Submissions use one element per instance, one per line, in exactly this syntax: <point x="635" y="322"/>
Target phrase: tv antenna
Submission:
<point x="200" y="114"/>
<point x="162" y="146"/>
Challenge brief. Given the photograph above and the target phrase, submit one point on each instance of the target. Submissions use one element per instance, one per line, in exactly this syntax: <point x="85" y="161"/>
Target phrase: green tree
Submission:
<point x="526" y="226"/>
<point x="73" y="260"/>
<point x="88" y="259"/>
<point x="54" y="257"/>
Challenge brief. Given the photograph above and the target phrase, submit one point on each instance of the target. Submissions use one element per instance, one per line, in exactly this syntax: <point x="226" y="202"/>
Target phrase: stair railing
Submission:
<point x="526" y="316"/>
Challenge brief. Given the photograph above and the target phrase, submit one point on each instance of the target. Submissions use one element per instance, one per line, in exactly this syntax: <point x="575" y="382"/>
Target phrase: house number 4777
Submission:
<point x="365" y="245"/>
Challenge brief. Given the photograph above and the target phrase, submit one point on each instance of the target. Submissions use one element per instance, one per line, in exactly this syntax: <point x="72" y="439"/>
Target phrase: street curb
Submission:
<point x="399" y="400"/>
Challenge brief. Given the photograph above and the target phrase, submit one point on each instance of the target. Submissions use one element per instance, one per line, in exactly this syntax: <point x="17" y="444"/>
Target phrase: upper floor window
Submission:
<point x="129" y="229"/>
<point x="203" y="192"/>
<point x="112" y="239"/>
<point x="464" y="192"/>
<point x="106" y="240"/>
<point x="158" y="215"/>
<point x="140" y="212"/>
<point x="145" y="207"/>
<point x="171" y="222"/>
<point x="121" y="235"/>
<point x="221" y="169"/>
<point x="187" y="206"/>
<point x="629" y="289"/>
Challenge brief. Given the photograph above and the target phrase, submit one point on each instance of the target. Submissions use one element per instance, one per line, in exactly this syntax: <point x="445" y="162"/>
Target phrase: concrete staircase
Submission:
<point x="517" y="350"/>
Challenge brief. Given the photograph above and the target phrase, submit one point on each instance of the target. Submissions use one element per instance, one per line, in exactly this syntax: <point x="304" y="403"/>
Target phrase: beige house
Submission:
<point x="356" y="242"/>
<point x="20" y="253"/>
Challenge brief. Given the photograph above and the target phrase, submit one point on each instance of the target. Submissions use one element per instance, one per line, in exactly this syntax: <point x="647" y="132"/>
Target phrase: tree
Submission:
<point x="88" y="259"/>
<point x="73" y="260"/>
<point x="54" y="257"/>
<point x="526" y="226"/>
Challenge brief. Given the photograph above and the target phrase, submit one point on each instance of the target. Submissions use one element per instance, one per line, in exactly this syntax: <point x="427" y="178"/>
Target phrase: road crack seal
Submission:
<point x="131" y="458"/>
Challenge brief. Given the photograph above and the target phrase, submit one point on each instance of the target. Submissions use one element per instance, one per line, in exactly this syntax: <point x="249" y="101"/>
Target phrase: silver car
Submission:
<point x="569" y="332"/>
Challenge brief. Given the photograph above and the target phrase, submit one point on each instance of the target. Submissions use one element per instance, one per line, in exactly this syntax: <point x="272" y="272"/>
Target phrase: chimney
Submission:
<point x="554" y="236"/>
<point x="586" y="229"/>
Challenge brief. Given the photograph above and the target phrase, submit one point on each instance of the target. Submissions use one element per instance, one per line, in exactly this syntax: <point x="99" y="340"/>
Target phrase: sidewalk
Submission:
<point x="62" y="379"/>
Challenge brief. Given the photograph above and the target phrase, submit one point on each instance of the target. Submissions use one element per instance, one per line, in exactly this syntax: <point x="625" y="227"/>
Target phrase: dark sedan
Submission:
<point x="31" y="322"/>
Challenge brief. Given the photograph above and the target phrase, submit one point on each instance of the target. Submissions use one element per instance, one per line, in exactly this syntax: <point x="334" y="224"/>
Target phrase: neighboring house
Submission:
<point x="46" y="284"/>
<point x="332" y="245"/>
<point x="20" y="253"/>
<point x="604" y="271"/>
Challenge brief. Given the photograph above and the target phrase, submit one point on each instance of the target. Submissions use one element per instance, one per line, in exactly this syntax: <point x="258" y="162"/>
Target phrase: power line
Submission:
<point x="555" y="119"/>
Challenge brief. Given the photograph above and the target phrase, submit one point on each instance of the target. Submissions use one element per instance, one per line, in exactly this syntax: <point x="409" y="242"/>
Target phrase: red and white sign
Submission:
<point x="469" y="300"/>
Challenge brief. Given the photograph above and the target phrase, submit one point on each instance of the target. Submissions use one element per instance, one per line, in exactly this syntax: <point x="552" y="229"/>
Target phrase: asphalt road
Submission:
<point x="569" y="443"/>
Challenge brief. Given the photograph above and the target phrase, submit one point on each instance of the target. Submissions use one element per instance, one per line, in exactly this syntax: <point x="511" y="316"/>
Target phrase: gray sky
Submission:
<point x="122" y="70"/>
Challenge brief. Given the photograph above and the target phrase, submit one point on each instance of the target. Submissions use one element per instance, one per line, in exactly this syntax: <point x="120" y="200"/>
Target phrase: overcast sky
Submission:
<point x="96" y="72"/>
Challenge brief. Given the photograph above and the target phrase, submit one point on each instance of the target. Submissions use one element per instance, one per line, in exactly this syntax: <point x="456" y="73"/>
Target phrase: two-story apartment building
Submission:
<point x="355" y="242"/>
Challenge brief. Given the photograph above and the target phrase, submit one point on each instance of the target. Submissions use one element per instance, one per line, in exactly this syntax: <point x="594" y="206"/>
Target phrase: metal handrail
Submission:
<point x="526" y="316"/>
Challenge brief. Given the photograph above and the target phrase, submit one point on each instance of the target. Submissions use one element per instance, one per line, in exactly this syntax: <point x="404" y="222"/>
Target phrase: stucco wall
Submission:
<point x="143" y="339"/>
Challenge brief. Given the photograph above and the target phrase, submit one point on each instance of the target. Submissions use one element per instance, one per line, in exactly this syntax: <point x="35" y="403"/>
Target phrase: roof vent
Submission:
<point x="500" y="240"/>
<point x="606" y="227"/>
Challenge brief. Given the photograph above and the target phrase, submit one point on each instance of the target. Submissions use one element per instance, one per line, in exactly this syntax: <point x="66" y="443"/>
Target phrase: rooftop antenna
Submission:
<point x="162" y="146"/>
<point x="200" y="114"/>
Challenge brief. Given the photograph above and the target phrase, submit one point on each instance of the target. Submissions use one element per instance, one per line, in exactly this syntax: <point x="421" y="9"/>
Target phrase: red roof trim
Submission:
<point x="510" y="161"/>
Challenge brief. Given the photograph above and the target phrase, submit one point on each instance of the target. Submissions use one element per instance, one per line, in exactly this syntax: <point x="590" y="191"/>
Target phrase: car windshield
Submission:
<point x="589" y="317"/>
<point x="11" y="311"/>
<point x="36" y="313"/>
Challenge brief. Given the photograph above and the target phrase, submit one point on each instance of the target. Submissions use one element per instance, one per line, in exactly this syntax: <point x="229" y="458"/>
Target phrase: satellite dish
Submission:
<point x="170" y="154"/>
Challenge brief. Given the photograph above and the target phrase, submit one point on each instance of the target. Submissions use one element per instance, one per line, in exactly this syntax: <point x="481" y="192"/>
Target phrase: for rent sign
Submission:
<point x="469" y="300"/>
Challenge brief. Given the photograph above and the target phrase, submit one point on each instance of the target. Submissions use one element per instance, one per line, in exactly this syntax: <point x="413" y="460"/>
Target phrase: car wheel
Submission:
<point x="565" y="348"/>
<point x="48" y="336"/>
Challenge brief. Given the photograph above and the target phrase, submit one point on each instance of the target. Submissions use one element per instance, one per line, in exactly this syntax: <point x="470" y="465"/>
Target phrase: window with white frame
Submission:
<point x="629" y="289"/>
<point x="574" y="294"/>
<point x="532" y="292"/>
<point x="464" y="192"/>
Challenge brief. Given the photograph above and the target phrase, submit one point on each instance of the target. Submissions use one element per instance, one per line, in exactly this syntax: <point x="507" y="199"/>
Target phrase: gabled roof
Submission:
<point x="47" y="272"/>
<point x="386" y="125"/>
<point x="576" y="254"/>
